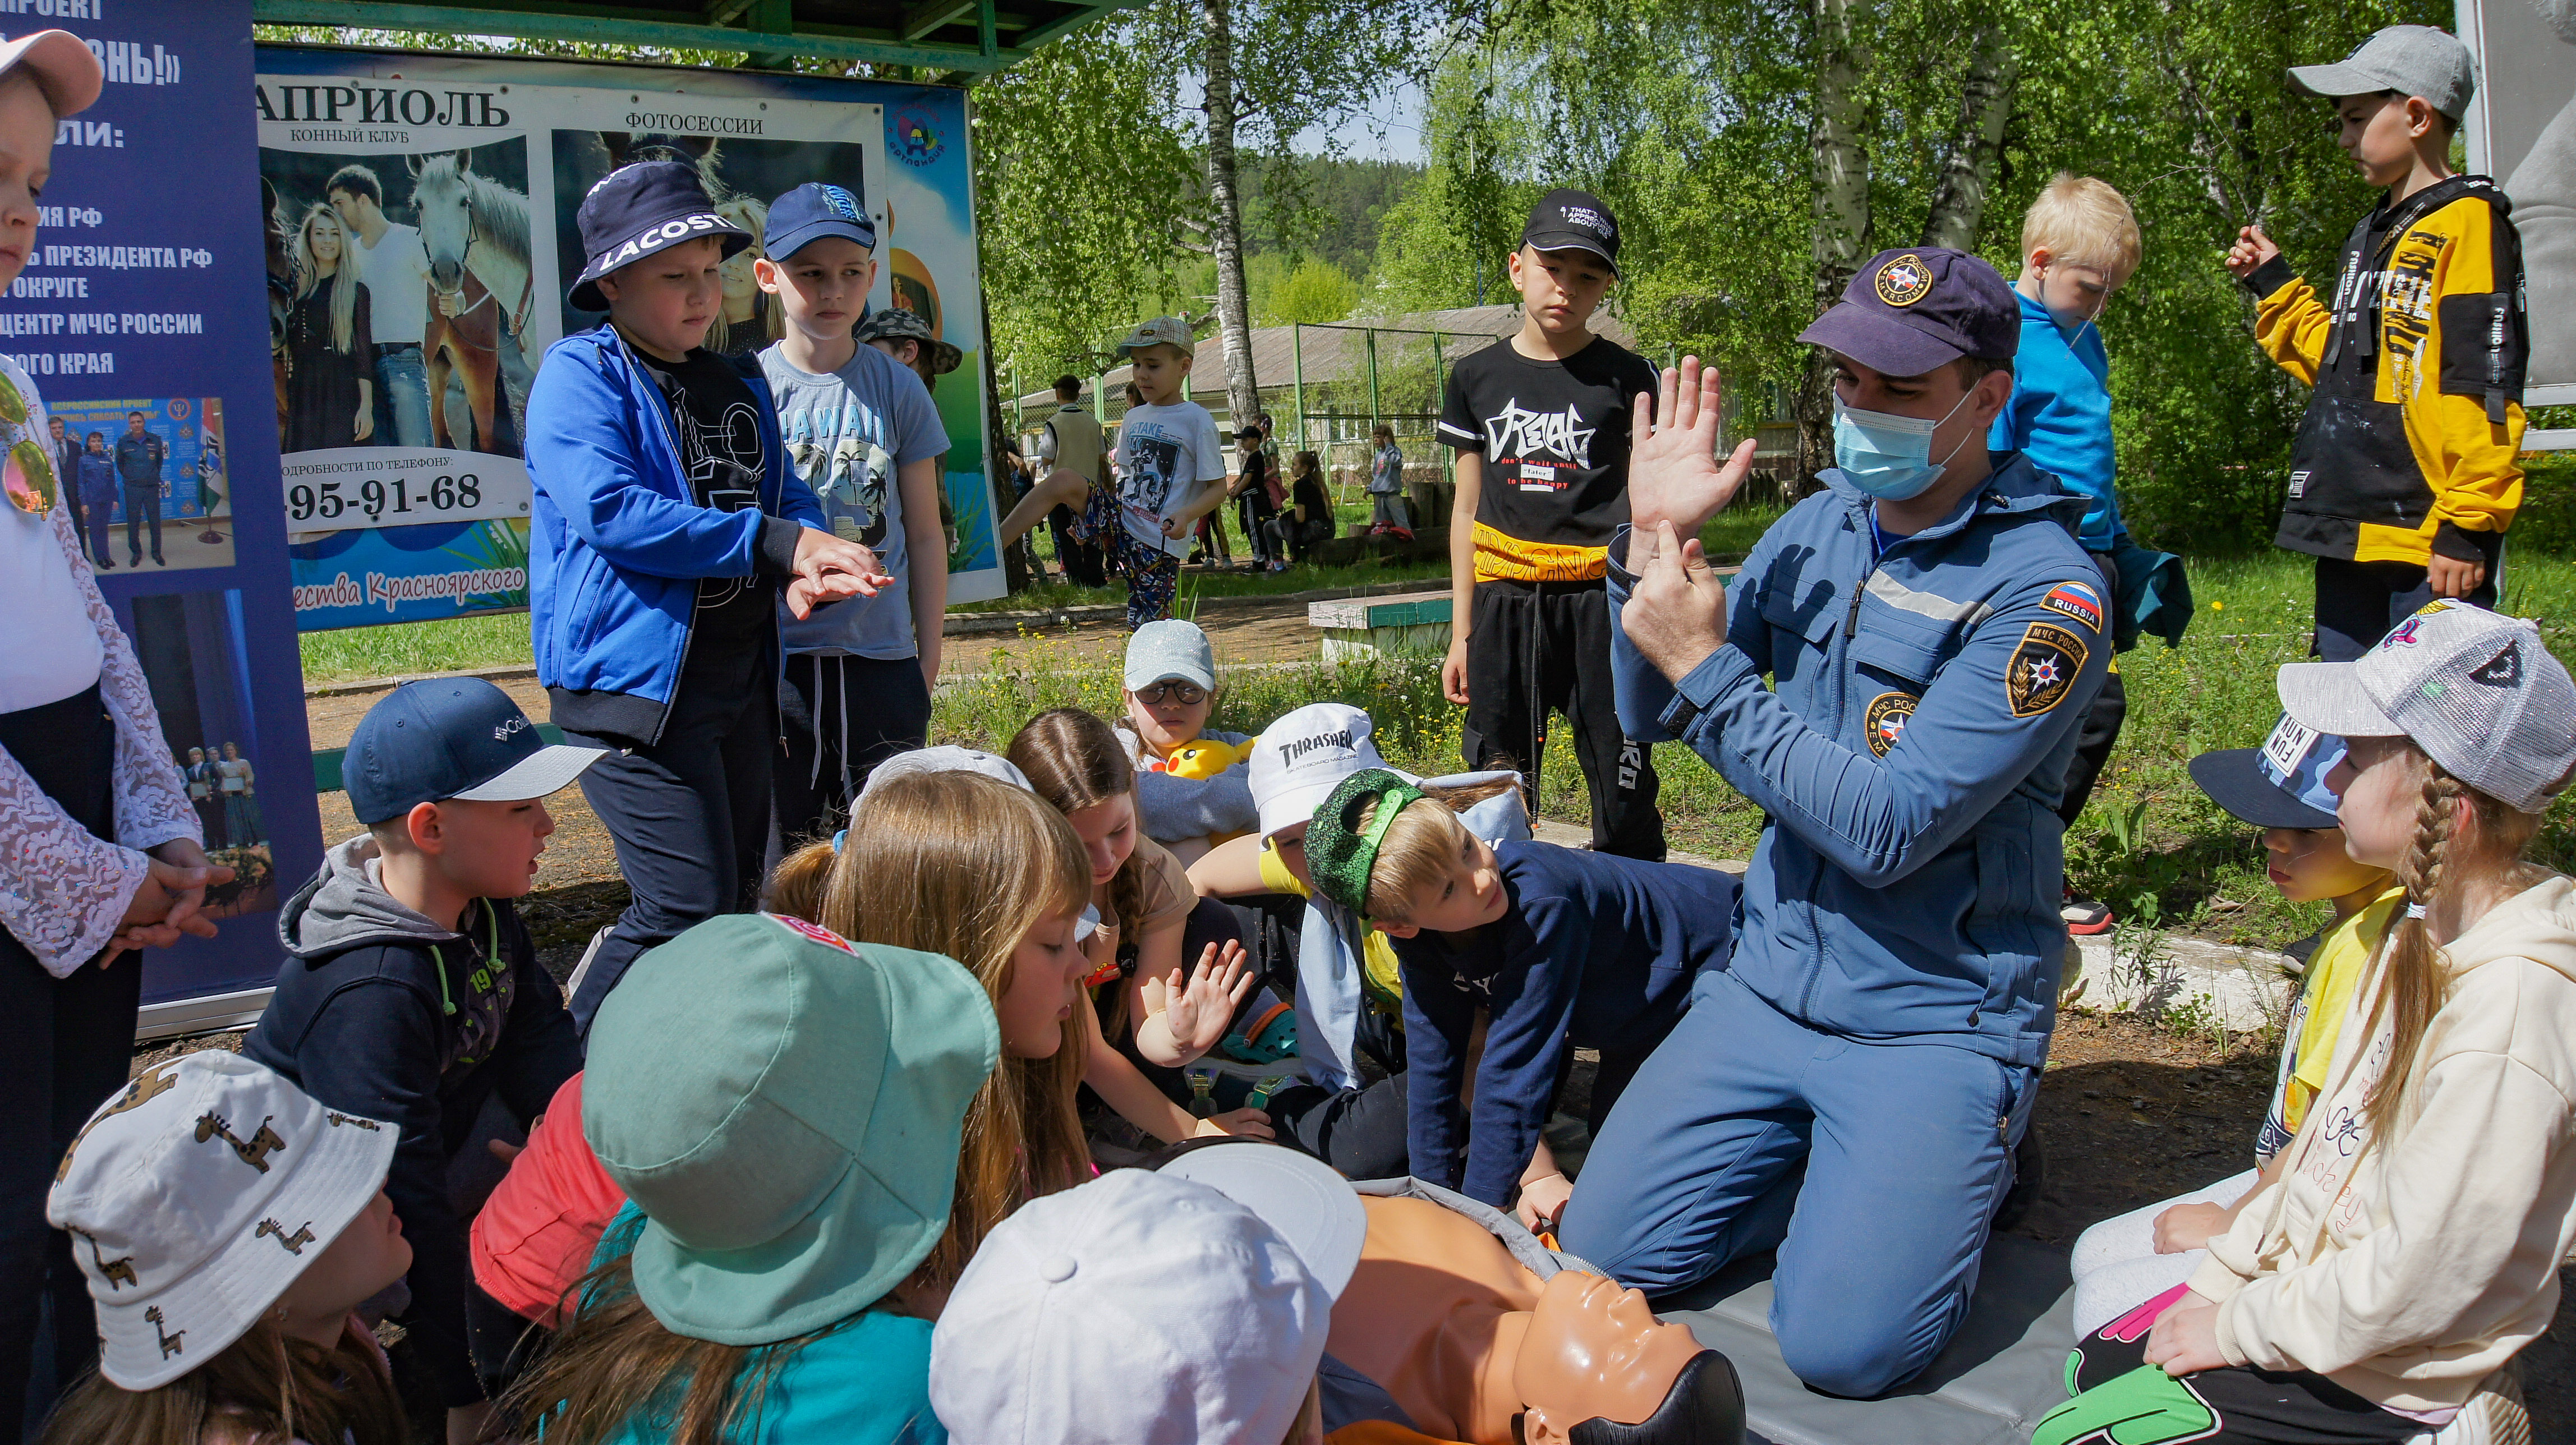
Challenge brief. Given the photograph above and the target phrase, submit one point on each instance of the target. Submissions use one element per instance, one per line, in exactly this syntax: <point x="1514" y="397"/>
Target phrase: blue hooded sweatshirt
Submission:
<point x="2060" y="417"/>
<point x="618" y="542"/>
<point x="1910" y="756"/>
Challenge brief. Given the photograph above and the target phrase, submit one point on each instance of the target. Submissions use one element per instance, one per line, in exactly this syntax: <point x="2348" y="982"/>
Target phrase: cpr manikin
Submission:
<point x="1465" y="1338"/>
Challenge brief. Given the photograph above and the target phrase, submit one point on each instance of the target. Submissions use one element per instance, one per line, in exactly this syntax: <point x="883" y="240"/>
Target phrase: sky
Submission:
<point x="1390" y="129"/>
<point x="1398" y="115"/>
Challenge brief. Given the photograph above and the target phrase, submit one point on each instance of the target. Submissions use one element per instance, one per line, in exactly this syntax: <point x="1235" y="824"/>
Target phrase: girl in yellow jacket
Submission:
<point x="2409" y="1246"/>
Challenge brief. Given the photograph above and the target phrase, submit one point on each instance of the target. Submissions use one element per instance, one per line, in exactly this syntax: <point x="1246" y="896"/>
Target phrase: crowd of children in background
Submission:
<point x="815" y="1149"/>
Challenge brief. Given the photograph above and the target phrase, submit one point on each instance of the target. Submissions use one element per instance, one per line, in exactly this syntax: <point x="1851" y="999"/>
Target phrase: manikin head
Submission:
<point x="1597" y="1366"/>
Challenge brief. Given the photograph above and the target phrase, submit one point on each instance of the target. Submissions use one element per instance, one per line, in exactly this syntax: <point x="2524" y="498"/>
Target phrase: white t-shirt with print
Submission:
<point x="1165" y="455"/>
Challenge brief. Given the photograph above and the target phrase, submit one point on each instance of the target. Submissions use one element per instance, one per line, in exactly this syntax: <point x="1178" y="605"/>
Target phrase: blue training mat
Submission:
<point x="2005" y="1368"/>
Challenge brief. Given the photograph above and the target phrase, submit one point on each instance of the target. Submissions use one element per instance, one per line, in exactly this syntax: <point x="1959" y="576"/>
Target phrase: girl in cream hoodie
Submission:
<point x="2409" y="1246"/>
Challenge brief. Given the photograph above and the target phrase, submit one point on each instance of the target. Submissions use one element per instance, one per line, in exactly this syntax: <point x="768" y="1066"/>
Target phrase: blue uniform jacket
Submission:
<point x="1910" y="755"/>
<point x="619" y="542"/>
<point x="2060" y="418"/>
<point x="1596" y="951"/>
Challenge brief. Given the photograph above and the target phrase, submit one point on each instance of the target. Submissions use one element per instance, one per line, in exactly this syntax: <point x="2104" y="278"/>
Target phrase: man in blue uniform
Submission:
<point x="1850" y="1090"/>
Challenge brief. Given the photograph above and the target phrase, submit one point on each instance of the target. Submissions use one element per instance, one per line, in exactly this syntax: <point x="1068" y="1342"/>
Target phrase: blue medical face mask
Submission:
<point x="1888" y="456"/>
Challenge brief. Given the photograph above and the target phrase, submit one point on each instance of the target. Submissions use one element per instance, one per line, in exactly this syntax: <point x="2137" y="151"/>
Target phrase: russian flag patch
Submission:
<point x="2076" y="600"/>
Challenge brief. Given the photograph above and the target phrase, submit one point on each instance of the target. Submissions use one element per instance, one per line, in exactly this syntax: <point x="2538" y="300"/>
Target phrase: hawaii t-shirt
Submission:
<point x="848" y="434"/>
<point x="1165" y="455"/>
<point x="1554" y="436"/>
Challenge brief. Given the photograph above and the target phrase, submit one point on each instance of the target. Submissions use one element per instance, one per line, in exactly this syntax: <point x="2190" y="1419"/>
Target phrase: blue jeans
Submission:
<point x="402" y="399"/>
<point x="1874" y="1169"/>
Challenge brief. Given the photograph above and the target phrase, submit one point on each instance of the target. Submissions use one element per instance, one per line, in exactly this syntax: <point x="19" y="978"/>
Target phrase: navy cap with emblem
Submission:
<point x="1570" y="220"/>
<point x="638" y="210"/>
<point x="451" y="737"/>
<point x="1917" y="310"/>
<point x="809" y="213"/>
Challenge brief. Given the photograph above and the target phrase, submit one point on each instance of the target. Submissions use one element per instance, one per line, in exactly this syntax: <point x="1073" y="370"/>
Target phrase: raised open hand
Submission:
<point x="1673" y="471"/>
<point x="1196" y="1011"/>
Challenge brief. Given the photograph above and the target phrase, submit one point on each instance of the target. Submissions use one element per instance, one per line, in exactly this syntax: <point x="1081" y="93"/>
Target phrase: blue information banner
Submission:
<point x="146" y="303"/>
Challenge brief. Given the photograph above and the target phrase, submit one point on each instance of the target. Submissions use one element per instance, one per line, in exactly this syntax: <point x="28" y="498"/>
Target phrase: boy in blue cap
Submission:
<point x="863" y="434"/>
<point x="411" y="992"/>
<point x="664" y="523"/>
<point x="1869" y="1057"/>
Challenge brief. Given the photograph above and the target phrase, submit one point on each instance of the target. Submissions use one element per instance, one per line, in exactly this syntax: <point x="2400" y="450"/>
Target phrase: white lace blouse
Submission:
<point x="63" y="889"/>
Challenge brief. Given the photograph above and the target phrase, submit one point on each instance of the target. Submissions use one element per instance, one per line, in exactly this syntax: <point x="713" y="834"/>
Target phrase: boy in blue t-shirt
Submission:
<point x="863" y="433"/>
<point x="2079" y="243"/>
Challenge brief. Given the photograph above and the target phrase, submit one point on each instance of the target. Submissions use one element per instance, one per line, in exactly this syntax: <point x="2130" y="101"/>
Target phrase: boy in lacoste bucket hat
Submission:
<point x="638" y="211"/>
<point x="211" y="1198"/>
<point x="783" y="1108"/>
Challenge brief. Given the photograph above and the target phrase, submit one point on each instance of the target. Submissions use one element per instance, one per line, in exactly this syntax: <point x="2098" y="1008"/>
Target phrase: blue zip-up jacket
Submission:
<point x="618" y="542"/>
<point x="2060" y="418"/>
<point x="1910" y="756"/>
<point x="1596" y="951"/>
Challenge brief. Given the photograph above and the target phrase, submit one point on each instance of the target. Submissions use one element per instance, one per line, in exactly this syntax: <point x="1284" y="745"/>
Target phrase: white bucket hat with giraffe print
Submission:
<point x="196" y="1195"/>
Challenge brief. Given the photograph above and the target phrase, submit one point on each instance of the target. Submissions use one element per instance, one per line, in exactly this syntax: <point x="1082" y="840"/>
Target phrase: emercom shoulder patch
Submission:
<point x="1885" y="721"/>
<point x="2043" y="669"/>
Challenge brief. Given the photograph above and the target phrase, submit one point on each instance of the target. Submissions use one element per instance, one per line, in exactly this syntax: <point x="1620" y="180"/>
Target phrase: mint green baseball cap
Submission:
<point x="784" y="1106"/>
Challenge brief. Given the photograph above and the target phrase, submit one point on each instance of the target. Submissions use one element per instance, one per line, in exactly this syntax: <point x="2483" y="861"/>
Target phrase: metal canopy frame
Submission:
<point x="962" y="38"/>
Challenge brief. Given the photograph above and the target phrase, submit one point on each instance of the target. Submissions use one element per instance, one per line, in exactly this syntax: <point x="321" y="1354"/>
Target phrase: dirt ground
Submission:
<point x="2128" y="1112"/>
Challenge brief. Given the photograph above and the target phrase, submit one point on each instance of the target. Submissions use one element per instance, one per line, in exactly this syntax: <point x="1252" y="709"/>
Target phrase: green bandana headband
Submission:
<point x="1340" y="857"/>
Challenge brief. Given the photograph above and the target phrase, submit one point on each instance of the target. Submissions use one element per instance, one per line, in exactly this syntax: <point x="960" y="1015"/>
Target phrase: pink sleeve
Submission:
<point x="533" y="1241"/>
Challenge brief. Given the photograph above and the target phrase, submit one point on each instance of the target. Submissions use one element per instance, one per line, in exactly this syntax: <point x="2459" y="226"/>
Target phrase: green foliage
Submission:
<point x="1692" y="118"/>
<point x="1316" y="291"/>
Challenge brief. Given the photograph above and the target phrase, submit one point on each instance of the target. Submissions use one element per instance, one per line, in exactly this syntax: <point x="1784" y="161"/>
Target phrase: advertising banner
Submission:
<point x="422" y="215"/>
<point x="139" y="320"/>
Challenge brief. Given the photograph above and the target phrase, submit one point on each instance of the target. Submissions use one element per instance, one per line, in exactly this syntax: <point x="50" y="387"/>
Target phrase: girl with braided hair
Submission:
<point x="2377" y="1287"/>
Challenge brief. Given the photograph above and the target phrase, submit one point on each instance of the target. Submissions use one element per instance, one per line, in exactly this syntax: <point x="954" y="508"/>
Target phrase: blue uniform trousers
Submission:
<point x="1872" y="1168"/>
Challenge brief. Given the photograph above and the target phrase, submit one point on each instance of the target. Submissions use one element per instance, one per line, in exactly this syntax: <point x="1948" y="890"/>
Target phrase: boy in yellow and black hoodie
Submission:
<point x="2403" y="478"/>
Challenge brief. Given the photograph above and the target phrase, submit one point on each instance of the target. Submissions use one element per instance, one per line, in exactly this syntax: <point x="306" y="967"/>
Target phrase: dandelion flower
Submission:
<point x="2217" y="606"/>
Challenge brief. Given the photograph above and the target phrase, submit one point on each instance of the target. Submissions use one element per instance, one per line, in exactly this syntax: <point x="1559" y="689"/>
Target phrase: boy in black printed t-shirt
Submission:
<point x="1540" y="425"/>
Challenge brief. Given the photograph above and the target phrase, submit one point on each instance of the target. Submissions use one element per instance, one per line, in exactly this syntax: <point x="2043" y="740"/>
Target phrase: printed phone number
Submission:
<point x="379" y="498"/>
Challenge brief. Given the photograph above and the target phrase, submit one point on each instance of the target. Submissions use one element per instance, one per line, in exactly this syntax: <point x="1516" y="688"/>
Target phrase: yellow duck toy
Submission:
<point x="1206" y="758"/>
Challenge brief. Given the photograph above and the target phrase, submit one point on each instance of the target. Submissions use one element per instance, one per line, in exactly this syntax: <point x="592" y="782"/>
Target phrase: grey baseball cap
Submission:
<point x="2478" y="692"/>
<point x="1171" y="331"/>
<point x="2408" y="59"/>
<point x="1169" y="648"/>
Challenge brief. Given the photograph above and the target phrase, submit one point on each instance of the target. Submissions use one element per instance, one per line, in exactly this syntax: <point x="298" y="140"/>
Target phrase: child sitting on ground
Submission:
<point x="2279" y="788"/>
<point x="2408" y="1245"/>
<point x="411" y="992"/>
<point x="785" y="1109"/>
<point x="1565" y="949"/>
<point x="1149" y="916"/>
<point x="980" y="871"/>
<point x="226" y="1293"/>
<point x="1191" y="788"/>
<point x="1349" y="994"/>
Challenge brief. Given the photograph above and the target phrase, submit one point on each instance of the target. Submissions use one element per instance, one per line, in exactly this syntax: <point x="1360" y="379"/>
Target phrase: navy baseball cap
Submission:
<point x="2281" y="784"/>
<point x="1909" y="312"/>
<point x="1570" y="220"/>
<point x="812" y="211"/>
<point x="635" y="211"/>
<point x="451" y="737"/>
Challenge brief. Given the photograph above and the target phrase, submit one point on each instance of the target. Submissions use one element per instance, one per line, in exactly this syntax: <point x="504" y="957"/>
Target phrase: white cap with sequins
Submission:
<point x="196" y="1195"/>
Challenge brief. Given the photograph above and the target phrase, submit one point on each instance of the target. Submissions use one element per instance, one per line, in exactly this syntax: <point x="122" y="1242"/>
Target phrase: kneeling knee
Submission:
<point x="1839" y="1358"/>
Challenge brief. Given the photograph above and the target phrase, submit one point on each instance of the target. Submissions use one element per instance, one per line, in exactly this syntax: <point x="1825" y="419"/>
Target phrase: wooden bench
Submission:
<point x="1412" y="624"/>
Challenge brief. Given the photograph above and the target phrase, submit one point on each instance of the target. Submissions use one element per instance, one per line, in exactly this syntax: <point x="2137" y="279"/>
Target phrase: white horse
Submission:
<point x="482" y="289"/>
